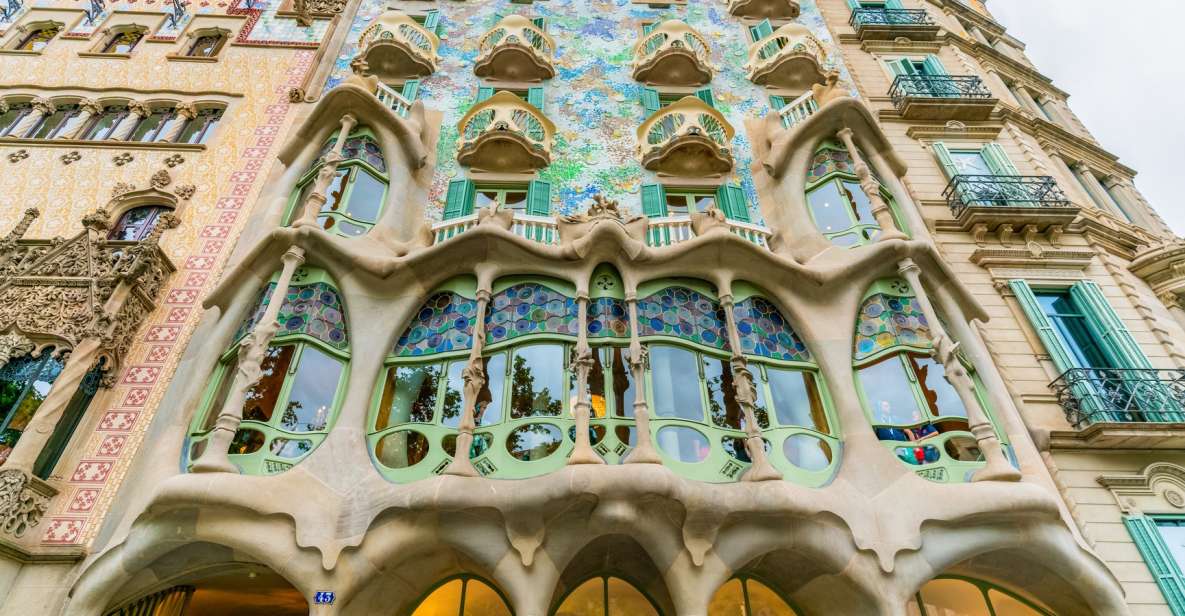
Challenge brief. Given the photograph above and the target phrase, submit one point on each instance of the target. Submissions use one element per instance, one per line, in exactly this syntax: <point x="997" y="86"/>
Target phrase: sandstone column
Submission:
<point x="307" y="214"/>
<point x="644" y="451"/>
<point x="475" y="379"/>
<point x="41" y="107"/>
<point x="871" y="188"/>
<point x="582" y="364"/>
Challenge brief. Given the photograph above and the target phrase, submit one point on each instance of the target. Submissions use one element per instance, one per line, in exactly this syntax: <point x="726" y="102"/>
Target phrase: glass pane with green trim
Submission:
<point x="671" y="369"/>
<point x="939" y="394"/>
<point x="723" y="407"/>
<point x="314" y="387"/>
<point x="796" y="399"/>
<point x="887" y="390"/>
<point x="488" y="409"/>
<point x="261" y="398"/>
<point x="452" y="404"/>
<point x="1172" y="531"/>
<point x="409" y="395"/>
<point x="537" y="381"/>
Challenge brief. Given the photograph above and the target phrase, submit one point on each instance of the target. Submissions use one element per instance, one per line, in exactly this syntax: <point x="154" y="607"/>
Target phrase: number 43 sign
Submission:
<point x="324" y="597"/>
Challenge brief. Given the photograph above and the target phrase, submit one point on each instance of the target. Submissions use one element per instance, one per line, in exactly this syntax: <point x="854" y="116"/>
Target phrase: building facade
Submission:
<point x="742" y="308"/>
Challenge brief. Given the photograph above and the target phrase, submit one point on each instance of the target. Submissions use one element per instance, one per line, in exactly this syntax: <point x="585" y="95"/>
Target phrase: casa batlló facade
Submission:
<point x="573" y="308"/>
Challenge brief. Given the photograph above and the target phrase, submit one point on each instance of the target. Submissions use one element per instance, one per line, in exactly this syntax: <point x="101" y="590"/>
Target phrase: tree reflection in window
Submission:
<point x="537" y="381"/>
<point x="136" y="223"/>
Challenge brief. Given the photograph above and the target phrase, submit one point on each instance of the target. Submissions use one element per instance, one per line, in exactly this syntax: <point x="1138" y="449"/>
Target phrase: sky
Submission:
<point x="1123" y="64"/>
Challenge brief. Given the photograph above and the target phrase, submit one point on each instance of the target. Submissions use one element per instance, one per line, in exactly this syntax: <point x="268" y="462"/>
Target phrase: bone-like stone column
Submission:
<point x="41" y="107"/>
<point x="998" y="468"/>
<point x="475" y="379"/>
<point x="582" y="363"/>
<point x="644" y="451"/>
<point x="317" y="197"/>
<point x="746" y="396"/>
<point x="215" y="458"/>
<point x="871" y="188"/>
<point x="123" y="131"/>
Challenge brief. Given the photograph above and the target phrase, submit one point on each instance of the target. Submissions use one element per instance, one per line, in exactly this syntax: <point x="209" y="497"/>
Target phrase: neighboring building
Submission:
<point x="762" y="307"/>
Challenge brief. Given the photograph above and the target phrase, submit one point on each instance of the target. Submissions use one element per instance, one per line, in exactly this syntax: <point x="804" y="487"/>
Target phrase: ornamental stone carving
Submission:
<point x="23" y="501"/>
<point x="91" y="106"/>
<point x="161" y="179"/>
<point x="44" y="106"/>
<point x="14" y="345"/>
<point x="18" y="156"/>
<point x="185" y="191"/>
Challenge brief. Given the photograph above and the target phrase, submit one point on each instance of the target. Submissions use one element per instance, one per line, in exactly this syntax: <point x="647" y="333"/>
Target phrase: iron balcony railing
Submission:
<point x="1113" y="395"/>
<point x="1002" y="191"/>
<point x="889" y="17"/>
<point x="966" y="87"/>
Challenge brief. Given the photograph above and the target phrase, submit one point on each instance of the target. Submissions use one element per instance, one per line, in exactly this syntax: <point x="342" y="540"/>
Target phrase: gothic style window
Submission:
<point x="151" y="127"/>
<point x="606" y="596"/>
<point x="206" y="45"/>
<point x="959" y="595"/>
<point x="358" y="190"/>
<point x="198" y="129"/>
<point x="136" y="223"/>
<point x="10" y="119"/>
<point x="103" y="125"/>
<point x="37" y="39"/>
<point x="463" y="595"/>
<point x="123" y="41"/>
<point x="56" y="124"/>
<point x="289" y="411"/>
<point x="24" y="383"/>
<point x="913" y="408"/>
<point x="840" y="209"/>
<point x="745" y="596"/>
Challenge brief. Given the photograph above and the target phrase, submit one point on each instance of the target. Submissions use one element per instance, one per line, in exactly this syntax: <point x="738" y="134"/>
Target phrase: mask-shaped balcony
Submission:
<point x="506" y="134"/>
<point x="396" y="47"/>
<point x="672" y="54"/>
<point x="764" y="9"/>
<point x="686" y="138"/>
<point x="790" y="58"/>
<point x="515" y="49"/>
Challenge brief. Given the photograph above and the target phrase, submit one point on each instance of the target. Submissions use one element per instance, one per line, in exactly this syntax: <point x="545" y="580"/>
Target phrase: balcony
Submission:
<point x="942" y="97"/>
<point x="671" y="230"/>
<point x="1010" y="202"/>
<point x="791" y="57"/>
<point x="764" y="9"/>
<point x="505" y="134"/>
<point x="540" y="229"/>
<point x="797" y="111"/>
<point x="395" y="47"/>
<point x="392" y="99"/>
<point x="1122" y="408"/>
<point x="891" y="24"/>
<point x="686" y="138"/>
<point x="672" y="54"/>
<point x="515" y="50"/>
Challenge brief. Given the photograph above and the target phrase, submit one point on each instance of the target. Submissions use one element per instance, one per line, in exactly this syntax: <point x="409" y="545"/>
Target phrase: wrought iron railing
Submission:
<point x="889" y="17"/>
<point x="967" y="87"/>
<point x="1003" y="191"/>
<point x="1114" y="395"/>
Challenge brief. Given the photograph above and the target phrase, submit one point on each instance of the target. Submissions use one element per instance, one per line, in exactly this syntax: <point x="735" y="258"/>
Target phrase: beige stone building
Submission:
<point x="573" y="308"/>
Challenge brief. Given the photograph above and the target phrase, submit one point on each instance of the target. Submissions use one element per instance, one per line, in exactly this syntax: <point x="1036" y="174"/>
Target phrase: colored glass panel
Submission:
<point x="827" y="161"/>
<point x="886" y="321"/>
<point x="530" y="308"/>
<point x="765" y="332"/>
<point x="683" y="313"/>
<point x="314" y="310"/>
<point x="444" y="323"/>
<point x="608" y="318"/>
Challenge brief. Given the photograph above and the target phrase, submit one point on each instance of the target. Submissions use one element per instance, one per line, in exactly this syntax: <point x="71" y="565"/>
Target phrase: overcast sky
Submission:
<point x="1123" y="64"/>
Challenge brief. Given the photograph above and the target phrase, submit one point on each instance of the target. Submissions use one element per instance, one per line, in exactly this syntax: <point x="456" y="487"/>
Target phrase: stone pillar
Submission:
<point x="998" y="468"/>
<point x="1069" y="180"/>
<point x="183" y="113"/>
<point x="1172" y="301"/>
<point x="582" y="364"/>
<point x="746" y="395"/>
<point x="997" y="83"/>
<point x="136" y="111"/>
<point x="87" y="109"/>
<point x="871" y="188"/>
<point x="215" y="458"/>
<point x="1122" y="193"/>
<point x="1026" y="98"/>
<point x="41" y="107"/>
<point x="8" y="244"/>
<point x="979" y="36"/>
<point x="1048" y="103"/>
<point x="317" y="197"/>
<point x="1097" y="192"/>
<point x="475" y="379"/>
<point x="644" y="451"/>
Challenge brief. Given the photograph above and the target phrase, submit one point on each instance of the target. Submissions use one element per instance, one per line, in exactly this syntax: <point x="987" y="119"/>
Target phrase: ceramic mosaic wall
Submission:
<point x="443" y="324"/>
<point x="314" y="310"/>
<point x="888" y="320"/>
<point x="765" y="332"/>
<point x="593" y="100"/>
<point x="683" y="313"/>
<point x="530" y="308"/>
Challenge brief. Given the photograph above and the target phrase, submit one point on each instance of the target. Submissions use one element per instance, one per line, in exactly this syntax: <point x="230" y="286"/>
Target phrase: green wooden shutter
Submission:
<point x="411" y="88"/>
<point x="432" y="21"/>
<point x="762" y="30"/>
<point x="997" y="160"/>
<point x="1116" y="341"/>
<point x="648" y="28"/>
<point x="934" y="66"/>
<point x="777" y="102"/>
<point x="944" y="159"/>
<point x="853" y="4"/>
<point x="535" y="97"/>
<point x="459" y="200"/>
<point x="730" y="198"/>
<point x="705" y="95"/>
<point x="540" y="22"/>
<point x="654" y="200"/>
<point x="894" y="5"/>
<point x="650" y="101"/>
<point x="1159" y="560"/>
<point x="901" y="66"/>
<point x="484" y="92"/>
<point x="539" y="198"/>
<point x="1062" y="358"/>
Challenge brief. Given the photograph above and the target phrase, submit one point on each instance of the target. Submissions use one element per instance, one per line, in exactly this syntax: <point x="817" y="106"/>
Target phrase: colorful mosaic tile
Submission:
<point x="444" y="323"/>
<point x="358" y="147"/>
<point x="683" y="313"/>
<point x="530" y="308"/>
<point x="314" y="310"/>
<point x="889" y="320"/>
<point x="828" y="161"/>
<point x="608" y="318"/>
<point x="765" y="332"/>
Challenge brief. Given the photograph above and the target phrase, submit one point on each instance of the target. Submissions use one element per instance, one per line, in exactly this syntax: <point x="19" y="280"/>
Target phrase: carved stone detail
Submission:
<point x="70" y="157"/>
<point x="14" y="345"/>
<point x="174" y="160"/>
<point x="123" y="159"/>
<point x="23" y="501"/>
<point x="185" y="191"/>
<point x="18" y="156"/>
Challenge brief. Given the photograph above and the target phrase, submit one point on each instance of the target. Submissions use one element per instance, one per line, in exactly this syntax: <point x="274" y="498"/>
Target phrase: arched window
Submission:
<point x="355" y="197"/>
<point x="838" y="205"/>
<point x="103" y="125"/>
<point x="606" y="596"/>
<point x="745" y="596"/>
<point x="198" y="129"/>
<point x="136" y="223"/>
<point x="63" y="120"/>
<point x="463" y="596"/>
<point x="39" y="37"/>
<point x="10" y="119"/>
<point x="911" y="405"/>
<point x="290" y="410"/>
<point x="123" y="40"/>
<point x="24" y="383"/>
<point x="948" y="595"/>
<point x="152" y="126"/>
<point x="206" y="43"/>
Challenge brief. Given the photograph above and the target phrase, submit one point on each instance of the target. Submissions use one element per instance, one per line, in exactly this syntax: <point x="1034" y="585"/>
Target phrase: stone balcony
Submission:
<point x="942" y="97"/>
<point x="764" y="9"/>
<point x="686" y="138"/>
<point x="672" y="54"/>
<point x="890" y="24"/>
<point x="791" y="57"/>
<point x="396" y="47"/>
<point x="506" y="134"/>
<point x="515" y="49"/>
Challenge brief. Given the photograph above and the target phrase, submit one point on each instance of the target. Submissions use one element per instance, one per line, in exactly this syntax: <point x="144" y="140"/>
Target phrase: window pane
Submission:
<point x="106" y="123"/>
<point x="516" y="200"/>
<point x="485" y="198"/>
<point x="953" y="598"/>
<point x="888" y="393"/>
<point x="596" y="384"/>
<point x="861" y="205"/>
<point x="10" y="118"/>
<point x="136" y="223"/>
<point x="1174" y="539"/>
<point x="481" y="600"/>
<point x="829" y="208"/>
<point x="722" y="403"/>
<point x="674" y="378"/>
<point x="261" y="398"/>
<point x="796" y="399"/>
<point x="314" y="387"/>
<point x="587" y="600"/>
<point x="147" y="128"/>
<point x="677" y="204"/>
<point x="939" y="393"/>
<point x="444" y="601"/>
<point x="336" y="190"/>
<point x="50" y="124"/>
<point x="490" y="398"/>
<point x="205" y="46"/>
<point x="35" y="379"/>
<point x="624" y="392"/>
<point x="534" y="441"/>
<point x="537" y="381"/>
<point x="704" y="203"/>
<point x="454" y="394"/>
<point x="409" y="396"/>
<point x="729" y="600"/>
<point x="401" y="449"/>
<point x="625" y="600"/>
<point x="1005" y="605"/>
<point x="763" y="601"/>
<point x="970" y="163"/>
<point x="683" y="444"/>
<point x="199" y="128"/>
<point x="366" y="199"/>
<point x="807" y="452"/>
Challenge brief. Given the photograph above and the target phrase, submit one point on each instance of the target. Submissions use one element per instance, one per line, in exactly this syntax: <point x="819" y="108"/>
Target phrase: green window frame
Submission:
<point x="356" y="197"/>
<point x="1158" y="556"/>
<point x="430" y="20"/>
<point x="742" y="592"/>
<point x="837" y="198"/>
<point x="652" y="100"/>
<point x="995" y="599"/>
<point x="760" y="30"/>
<point x="533" y="95"/>
<point x="659" y="201"/>
<point x="465" y="196"/>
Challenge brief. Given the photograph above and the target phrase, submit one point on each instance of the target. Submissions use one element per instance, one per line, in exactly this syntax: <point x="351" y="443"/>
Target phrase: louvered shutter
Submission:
<point x="997" y="160"/>
<point x="654" y="200"/>
<point x="730" y="198"/>
<point x="535" y="97"/>
<point x="945" y="160"/>
<point x="411" y="88"/>
<point x="705" y="95"/>
<point x="762" y="30"/>
<point x="484" y="92"/>
<point x="650" y="101"/>
<point x="459" y="200"/>
<point x="1159" y="559"/>
<point x="432" y="22"/>
<point x="1117" y="342"/>
<point x="539" y="198"/>
<point x="933" y="66"/>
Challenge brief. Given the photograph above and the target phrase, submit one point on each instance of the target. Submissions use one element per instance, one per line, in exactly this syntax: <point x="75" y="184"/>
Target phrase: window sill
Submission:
<point x="100" y="54"/>
<point x="173" y="57"/>
<point x="105" y="144"/>
<point x="19" y="52"/>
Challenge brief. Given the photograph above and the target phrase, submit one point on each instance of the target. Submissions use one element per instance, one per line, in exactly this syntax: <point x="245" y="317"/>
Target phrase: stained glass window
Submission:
<point x="358" y="191"/>
<point x="886" y="321"/>
<point x="530" y="308"/>
<point x="24" y="384"/>
<point x="206" y="46"/>
<point x="443" y="324"/>
<point x="766" y="333"/>
<point x="683" y="313"/>
<point x="608" y="318"/>
<point x="314" y="310"/>
<point x="123" y="42"/>
<point x="39" y="38"/>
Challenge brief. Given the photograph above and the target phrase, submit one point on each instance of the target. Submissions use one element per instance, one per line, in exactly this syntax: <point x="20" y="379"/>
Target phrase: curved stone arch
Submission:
<point x="617" y="555"/>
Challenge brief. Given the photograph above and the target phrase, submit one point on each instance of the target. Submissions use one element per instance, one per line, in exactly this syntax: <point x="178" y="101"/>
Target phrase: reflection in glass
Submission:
<point x="489" y="400"/>
<point x="481" y="444"/>
<point x="409" y="396"/>
<point x="290" y="448"/>
<point x="534" y="441"/>
<point x="807" y="452"/>
<point x="828" y="208"/>
<point x="402" y="449"/>
<point x="889" y="396"/>
<point x="246" y="441"/>
<point x="537" y="381"/>
<point x="260" y="400"/>
<point x="763" y="601"/>
<point x="314" y="387"/>
<point x="722" y="404"/>
<point x="454" y="388"/>
<point x="939" y="393"/>
<point x="683" y="444"/>
<point x="671" y="370"/>
<point x="729" y="600"/>
<point x="796" y="399"/>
